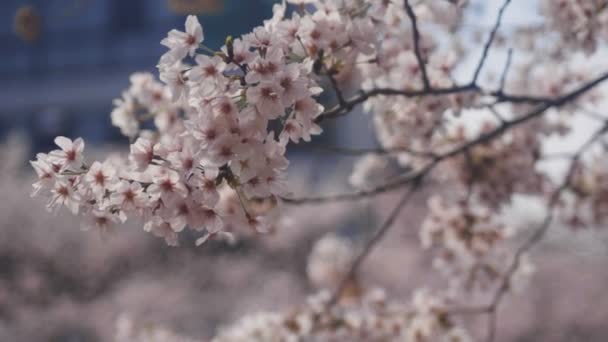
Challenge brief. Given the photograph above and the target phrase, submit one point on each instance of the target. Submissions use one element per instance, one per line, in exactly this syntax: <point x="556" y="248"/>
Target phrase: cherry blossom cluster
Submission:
<point x="222" y="119"/>
<point x="495" y="171"/>
<point x="466" y="238"/>
<point x="402" y="122"/>
<point x="216" y="160"/>
<point x="585" y="203"/>
<point x="145" y="100"/>
<point x="329" y="261"/>
<point x="580" y="23"/>
<point x="372" y="317"/>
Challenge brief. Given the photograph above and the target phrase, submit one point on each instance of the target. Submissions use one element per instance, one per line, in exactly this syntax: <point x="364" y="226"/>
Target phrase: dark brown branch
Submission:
<point x="345" y="106"/>
<point x="557" y="102"/>
<point x="337" y="90"/>
<point x="389" y="186"/>
<point x="496" y="114"/>
<point x="416" y="40"/>
<point x="489" y="42"/>
<point x="349" y="104"/>
<point x="505" y="72"/>
<point x="334" y="84"/>
<point x="501" y="97"/>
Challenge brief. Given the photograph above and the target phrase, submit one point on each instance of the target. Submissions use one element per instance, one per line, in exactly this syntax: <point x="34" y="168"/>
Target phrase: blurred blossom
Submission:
<point x="78" y="284"/>
<point x="28" y="24"/>
<point x="329" y="261"/>
<point x="369" y="171"/>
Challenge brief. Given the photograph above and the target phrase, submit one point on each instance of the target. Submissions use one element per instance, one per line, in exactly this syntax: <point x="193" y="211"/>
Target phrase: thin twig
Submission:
<point x="499" y="97"/>
<point x="334" y="84"/>
<point x="492" y="317"/>
<point x="496" y="114"/>
<point x="369" y="246"/>
<point x="505" y="71"/>
<point x="392" y="185"/>
<point x="416" y="38"/>
<point x="489" y="42"/>
<point x="592" y="114"/>
<point x="349" y="104"/>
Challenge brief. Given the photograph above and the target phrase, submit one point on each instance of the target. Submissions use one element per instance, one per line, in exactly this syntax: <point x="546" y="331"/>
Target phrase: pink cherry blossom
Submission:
<point x="70" y="155"/>
<point x="101" y="177"/>
<point x="185" y="43"/>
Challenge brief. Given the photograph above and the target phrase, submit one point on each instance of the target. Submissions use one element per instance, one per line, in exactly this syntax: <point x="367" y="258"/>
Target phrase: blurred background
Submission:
<point x="62" y="63"/>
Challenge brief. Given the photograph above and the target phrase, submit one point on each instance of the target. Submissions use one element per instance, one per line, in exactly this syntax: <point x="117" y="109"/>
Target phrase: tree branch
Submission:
<point x="416" y="39"/>
<point x="505" y="281"/>
<point x="369" y="246"/>
<point x="505" y="71"/>
<point x="539" y="233"/>
<point x="334" y="84"/>
<point x="482" y="139"/>
<point x="349" y="104"/>
<point x="489" y="42"/>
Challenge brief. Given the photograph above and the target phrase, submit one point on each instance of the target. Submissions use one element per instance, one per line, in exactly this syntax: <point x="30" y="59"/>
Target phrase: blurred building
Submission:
<point x="64" y="81"/>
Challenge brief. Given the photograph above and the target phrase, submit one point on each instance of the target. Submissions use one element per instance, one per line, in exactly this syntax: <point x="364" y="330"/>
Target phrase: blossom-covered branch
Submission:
<point x="494" y="133"/>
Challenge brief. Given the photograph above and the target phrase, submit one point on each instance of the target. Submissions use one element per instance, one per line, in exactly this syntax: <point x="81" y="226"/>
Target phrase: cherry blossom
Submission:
<point x="101" y="177"/>
<point x="185" y="43"/>
<point x="70" y="155"/>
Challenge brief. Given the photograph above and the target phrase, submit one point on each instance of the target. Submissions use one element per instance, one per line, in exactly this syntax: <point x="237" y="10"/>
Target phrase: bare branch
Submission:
<point x="501" y="97"/>
<point x="334" y="84"/>
<point x="505" y="71"/>
<point x="492" y="318"/>
<point x="496" y="114"/>
<point x="489" y="42"/>
<point x="416" y="38"/>
<point x="557" y="102"/>
<point x="348" y="105"/>
<point x="393" y="185"/>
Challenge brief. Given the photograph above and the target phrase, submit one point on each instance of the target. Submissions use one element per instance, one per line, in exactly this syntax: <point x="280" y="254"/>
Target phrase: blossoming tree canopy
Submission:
<point x="223" y="120"/>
